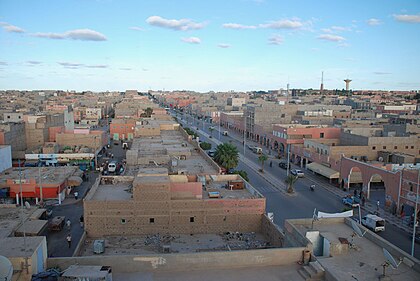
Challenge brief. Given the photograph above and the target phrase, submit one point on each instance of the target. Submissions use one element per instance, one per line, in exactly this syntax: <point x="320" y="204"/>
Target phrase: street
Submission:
<point x="285" y="206"/>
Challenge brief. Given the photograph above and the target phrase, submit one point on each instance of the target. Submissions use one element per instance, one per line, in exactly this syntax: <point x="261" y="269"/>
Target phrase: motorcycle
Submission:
<point x="312" y="187"/>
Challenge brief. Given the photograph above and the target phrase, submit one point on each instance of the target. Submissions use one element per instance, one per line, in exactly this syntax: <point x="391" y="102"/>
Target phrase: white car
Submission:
<point x="297" y="173"/>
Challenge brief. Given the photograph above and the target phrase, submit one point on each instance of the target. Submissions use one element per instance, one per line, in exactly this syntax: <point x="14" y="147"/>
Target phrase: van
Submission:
<point x="374" y="222"/>
<point x="112" y="167"/>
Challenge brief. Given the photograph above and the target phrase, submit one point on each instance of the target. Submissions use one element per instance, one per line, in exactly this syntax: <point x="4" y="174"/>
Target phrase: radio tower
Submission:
<point x="322" y="83"/>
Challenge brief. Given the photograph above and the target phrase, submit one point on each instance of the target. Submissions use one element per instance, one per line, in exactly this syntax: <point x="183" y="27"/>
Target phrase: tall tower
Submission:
<point x="322" y="82"/>
<point x="347" y="84"/>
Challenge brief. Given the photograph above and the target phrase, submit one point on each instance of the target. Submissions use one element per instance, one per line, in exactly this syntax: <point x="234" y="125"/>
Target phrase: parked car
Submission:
<point x="112" y="167"/>
<point x="297" y="173"/>
<point x="374" y="222"/>
<point x="351" y="201"/>
<point x="211" y="152"/>
<point x="225" y="133"/>
<point x="283" y="165"/>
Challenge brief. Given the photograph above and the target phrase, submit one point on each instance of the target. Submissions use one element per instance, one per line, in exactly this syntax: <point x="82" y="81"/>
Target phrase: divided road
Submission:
<point x="271" y="185"/>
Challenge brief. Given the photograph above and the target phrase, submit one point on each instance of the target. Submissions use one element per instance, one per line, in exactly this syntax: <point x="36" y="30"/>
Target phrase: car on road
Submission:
<point x="112" y="167"/>
<point x="211" y="153"/>
<point x="283" y="165"/>
<point x="351" y="201"/>
<point x="297" y="173"/>
<point x="374" y="222"/>
<point x="225" y="133"/>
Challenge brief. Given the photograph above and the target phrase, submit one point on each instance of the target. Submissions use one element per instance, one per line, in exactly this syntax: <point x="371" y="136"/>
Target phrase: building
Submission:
<point x="122" y="129"/>
<point x="13" y="117"/>
<point x="12" y="134"/>
<point x="53" y="181"/>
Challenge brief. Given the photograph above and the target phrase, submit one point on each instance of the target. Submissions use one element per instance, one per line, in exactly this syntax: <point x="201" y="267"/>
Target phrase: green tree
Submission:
<point x="262" y="158"/>
<point x="227" y="155"/>
<point x="243" y="174"/>
<point x="148" y="112"/>
<point x="211" y="129"/>
<point x="205" y="145"/>
<point x="290" y="181"/>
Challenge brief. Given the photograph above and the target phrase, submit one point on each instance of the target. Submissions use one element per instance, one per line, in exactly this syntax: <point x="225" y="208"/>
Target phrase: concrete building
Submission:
<point x="122" y="128"/>
<point x="53" y="181"/>
<point x="13" y="134"/>
<point x="236" y="101"/>
<point x="83" y="137"/>
<point x="37" y="128"/>
<point x="13" y="117"/>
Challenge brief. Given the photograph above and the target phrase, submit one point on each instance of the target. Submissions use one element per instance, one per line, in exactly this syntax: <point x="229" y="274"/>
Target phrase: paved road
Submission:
<point x="303" y="203"/>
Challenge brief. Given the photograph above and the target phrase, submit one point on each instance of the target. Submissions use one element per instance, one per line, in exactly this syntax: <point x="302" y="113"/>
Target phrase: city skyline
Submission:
<point x="237" y="45"/>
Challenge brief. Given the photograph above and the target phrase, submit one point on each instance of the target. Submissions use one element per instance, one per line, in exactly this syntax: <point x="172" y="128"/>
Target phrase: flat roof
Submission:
<point x="118" y="191"/>
<point x="179" y="243"/>
<point x="14" y="247"/>
<point x="363" y="262"/>
<point x="225" y="192"/>
<point x="49" y="175"/>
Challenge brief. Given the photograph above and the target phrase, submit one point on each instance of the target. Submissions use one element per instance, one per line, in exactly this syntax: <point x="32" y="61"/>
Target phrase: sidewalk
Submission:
<point x="368" y="207"/>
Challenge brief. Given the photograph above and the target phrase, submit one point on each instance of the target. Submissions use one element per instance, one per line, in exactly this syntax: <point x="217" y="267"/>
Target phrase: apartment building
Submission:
<point x="13" y="134"/>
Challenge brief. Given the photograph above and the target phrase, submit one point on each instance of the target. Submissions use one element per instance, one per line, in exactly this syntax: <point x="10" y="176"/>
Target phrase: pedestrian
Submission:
<point x="68" y="238"/>
<point x="271" y="163"/>
<point x="377" y="205"/>
<point x="76" y="195"/>
<point x="68" y="223"/>
<point x="363" y="200"/>
<point x="355" y="193"/>
<point x="82" y="220"/>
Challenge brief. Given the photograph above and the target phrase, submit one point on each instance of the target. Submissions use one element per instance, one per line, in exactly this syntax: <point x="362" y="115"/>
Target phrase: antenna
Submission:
<point x="322" y="82"/>
<point x="390" y="261"/>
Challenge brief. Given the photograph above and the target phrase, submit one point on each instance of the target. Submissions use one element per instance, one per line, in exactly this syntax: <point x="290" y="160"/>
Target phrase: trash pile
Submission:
<point x="244" y="240"/>
<point x="158" y="240"/>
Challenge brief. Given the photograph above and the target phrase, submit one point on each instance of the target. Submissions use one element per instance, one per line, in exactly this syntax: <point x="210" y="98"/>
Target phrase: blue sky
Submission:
<point x="209" y="45"/>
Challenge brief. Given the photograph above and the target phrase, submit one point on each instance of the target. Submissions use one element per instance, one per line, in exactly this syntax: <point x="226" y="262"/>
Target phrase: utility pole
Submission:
<point x="244" y="132"/>
<point x="219" y="123"/>
<point x="22" y="216"/>
<point x="40" y="184"/>
<point x="415" y="214"/>
<point x="288" y="158"/>
<point x="96" y="155"/>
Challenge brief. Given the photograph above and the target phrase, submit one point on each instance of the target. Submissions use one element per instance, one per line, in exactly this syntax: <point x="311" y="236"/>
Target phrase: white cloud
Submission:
<point x="11" y="28"/>
<point x="97" y="66"/>
<point x="182" y="24"/>
<point x="3" y="63"/>
<point x="70" y="64"/>
<point x="408" y="18"/>
<point x="331" y="37"/>
<point x="275" y="40"/>
<point x="191" y="40"/>
<point x="238" y="26"/>
<point x="136" y="28"/>
<point x="33" y="62"/>
<point x="382" y="73"/>
<point x="77" y="34"/>
<point x="223" y="45"/>
<point x="283" y="24"/>
<point x="374" y="22"/>
<point x="336" y="29"/>
<point x="125" y="68"/>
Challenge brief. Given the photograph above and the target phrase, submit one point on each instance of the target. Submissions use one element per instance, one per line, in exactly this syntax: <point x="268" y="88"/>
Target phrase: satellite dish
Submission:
<point x="27" y="205"/>
<point x="390" y="259"/>
<point x="357" y="230"/>
<point x="6" y="269"/>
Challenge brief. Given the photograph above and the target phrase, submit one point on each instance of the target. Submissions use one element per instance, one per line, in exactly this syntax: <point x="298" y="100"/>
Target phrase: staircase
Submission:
<point x="312" y="272"/>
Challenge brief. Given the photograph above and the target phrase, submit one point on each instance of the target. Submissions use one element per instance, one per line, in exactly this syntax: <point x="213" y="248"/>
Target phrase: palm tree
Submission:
<point x="262" y="158"/>
<point x="227" y="155"/>
<point x="211" y="129"/>
<point x="148" y="112"/>
<point x="290" y="181"/>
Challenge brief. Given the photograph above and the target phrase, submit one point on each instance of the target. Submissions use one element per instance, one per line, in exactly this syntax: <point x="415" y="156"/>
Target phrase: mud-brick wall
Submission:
<point x="272" y="232"/>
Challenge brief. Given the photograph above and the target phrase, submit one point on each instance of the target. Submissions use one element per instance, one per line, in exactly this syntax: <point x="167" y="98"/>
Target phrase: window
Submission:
<point x="406" y="147"/>
<point x="373" y="147"/>
<point x="384" y="147"/>
<point x="8" y="116"/>
<point x="322" y="135"/>
<point x="123" y="221"/>
<point x="395" y="147"/>
<point x="191" y="219"/>
<point x="412" y="147"/>
<point x="152" y="220"/>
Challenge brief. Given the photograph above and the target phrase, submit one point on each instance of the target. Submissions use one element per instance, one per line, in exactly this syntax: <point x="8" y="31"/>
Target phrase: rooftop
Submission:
<point x="14" y="247"/>
<point x="363" y="260"/>
<point x="49" y="175"/>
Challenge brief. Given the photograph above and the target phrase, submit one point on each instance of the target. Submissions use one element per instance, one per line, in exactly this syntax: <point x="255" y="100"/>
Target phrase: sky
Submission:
<point x="239" y="45"/>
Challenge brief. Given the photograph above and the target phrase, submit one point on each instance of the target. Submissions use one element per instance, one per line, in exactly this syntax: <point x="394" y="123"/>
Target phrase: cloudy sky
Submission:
<point x="209" y="45"/>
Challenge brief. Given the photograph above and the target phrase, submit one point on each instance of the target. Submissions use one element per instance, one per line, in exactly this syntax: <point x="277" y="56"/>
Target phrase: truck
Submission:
<point x="374" y="222"/>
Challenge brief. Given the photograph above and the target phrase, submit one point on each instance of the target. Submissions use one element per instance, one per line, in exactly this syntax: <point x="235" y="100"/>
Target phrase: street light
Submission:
<point x="415" y="214"/>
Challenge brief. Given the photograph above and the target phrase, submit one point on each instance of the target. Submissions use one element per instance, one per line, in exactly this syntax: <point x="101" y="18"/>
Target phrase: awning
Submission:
<point x="323" y="170"/>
